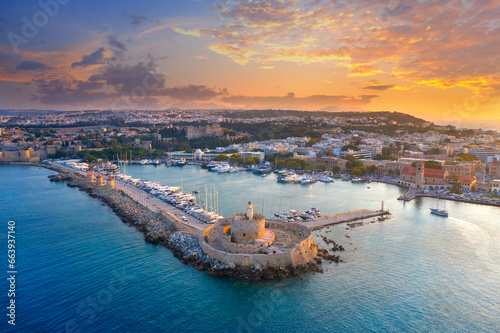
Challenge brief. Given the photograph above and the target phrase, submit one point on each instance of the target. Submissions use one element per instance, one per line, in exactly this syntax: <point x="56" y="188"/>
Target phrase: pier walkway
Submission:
<point x="192" y="225"/>
<point x="343" y="218"/>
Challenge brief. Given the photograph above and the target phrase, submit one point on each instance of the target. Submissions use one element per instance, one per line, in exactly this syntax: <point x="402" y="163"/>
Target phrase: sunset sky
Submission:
<point x="434" y="59"/>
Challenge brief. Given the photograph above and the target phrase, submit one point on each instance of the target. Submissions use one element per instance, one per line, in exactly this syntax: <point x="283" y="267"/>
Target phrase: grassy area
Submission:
<point x="493" y="196"/>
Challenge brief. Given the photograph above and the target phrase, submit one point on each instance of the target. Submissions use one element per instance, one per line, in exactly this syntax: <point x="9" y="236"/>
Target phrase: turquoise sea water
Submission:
<point x="81" y="269"/>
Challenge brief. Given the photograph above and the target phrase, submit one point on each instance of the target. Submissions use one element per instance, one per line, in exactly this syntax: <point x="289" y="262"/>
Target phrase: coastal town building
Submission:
<point x="460" y="170"/>
<point x="482" y="153"/>
<point x="494" y="170"/>
<point x="423" y="178"/>
<point x="329" y="161"/>
<point x="495" y="186"/>
<point x="466" y="183"/>
<point x="193" y="132"/>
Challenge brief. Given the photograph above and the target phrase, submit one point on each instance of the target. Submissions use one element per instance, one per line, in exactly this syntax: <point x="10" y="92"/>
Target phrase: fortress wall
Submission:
<point x="210" y="233"/>
<point x="250" y="254"/>
<point x="247" y="230"/>
<point x="301" y="231"/>
<point x="239" y="247"/>
<point x="222" y="229"/>
<point x="239" y="259"/>
<point x="10" y="156"/>
<point x="304" y="252"/>
<point x="21" y="156"/>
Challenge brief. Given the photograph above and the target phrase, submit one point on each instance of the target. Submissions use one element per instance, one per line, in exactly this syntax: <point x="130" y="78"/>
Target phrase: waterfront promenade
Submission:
<point x="191" y="225"/>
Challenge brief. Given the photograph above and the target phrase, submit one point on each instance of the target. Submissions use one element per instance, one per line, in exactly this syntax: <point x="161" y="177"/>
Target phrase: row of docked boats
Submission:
<point x="295" y="216"/>
<point x="285" y="176"/>
<point x="224" y="167"/>
<point x="170" y="194"/>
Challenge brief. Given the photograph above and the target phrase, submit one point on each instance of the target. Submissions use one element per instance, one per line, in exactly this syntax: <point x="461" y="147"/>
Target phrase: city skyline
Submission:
<point x="433" y="59"/>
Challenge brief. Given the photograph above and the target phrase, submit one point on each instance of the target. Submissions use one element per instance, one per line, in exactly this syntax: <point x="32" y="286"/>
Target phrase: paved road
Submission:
<point x="192" y="225"/>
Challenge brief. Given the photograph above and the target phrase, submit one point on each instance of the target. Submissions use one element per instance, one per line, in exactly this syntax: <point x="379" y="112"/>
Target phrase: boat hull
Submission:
<point x="439" y="212"/>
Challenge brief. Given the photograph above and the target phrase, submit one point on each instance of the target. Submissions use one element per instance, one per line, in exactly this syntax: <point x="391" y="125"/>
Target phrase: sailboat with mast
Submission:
<point x="437" y="211"/>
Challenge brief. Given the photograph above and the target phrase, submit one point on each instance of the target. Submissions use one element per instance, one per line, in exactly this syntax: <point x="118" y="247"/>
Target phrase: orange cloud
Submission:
<point x="432" y="44"/>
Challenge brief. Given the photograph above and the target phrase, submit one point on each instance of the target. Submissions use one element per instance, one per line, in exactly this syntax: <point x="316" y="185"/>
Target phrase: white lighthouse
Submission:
<point x="250" y="208"/>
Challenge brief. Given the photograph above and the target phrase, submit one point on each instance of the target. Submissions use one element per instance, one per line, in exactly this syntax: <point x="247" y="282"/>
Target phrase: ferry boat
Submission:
<point x="111" y="168"/>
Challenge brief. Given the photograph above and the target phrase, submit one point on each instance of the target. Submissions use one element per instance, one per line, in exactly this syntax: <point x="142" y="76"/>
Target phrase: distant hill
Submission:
<point x="399" y="117"/>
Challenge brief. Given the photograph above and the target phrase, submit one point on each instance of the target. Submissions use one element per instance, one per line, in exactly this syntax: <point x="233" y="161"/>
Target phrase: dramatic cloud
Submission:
<point x="308" y="102"/>
<point x="192" y="92"/>
<point x="31" y="66"/>
<point x="380" y="86"/>
<point x="60" y="91"/>
<point x="126" y="78"/>
<point x="95" y="58"/>
<point x="135" y="20"/>
<point x="436" y="43"/>
<point x="118" y="47"/>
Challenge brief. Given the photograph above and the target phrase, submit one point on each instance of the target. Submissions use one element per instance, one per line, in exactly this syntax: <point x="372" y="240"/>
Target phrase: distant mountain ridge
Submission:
<point x="399" y="117"/>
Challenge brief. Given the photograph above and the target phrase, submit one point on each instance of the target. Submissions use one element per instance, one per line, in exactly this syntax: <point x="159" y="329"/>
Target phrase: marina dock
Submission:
<point x="324" y="221"/>
<point x="190" y="225"/>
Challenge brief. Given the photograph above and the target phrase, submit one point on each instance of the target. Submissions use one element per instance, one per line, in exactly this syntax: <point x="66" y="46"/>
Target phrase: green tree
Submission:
<point x="351" y="158"/>
<point x="236" y="159"/>
<point x="347" y="147"/>
<point x="250" y="161"/>
<point x="336" y="169"/>
<point x="221" y="158"/>
<point x="467" y="157"/>
<point x="456" y="189"/>
<point x="357" y="172"/>
<point x="89" y="158"/>
<point x="158" y="153"/>
<point x="60" y="153"/>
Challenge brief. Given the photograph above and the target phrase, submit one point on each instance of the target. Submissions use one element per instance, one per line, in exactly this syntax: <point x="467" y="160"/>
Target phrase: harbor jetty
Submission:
<point x="165" y="228"/>
<point x="346" y="217"/>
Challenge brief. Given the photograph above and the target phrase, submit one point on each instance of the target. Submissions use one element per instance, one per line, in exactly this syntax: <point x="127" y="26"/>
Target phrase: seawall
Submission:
<point x="159" y="229"/>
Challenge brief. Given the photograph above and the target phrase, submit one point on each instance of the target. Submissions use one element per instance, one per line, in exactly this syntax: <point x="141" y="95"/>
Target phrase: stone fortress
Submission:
<point x="246" y="239"/>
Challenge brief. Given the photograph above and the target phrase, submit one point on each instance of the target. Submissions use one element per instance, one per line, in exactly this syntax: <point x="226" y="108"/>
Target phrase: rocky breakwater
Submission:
<point x="156" y="227"/>
<point x="336" y="247"/>
<point x="323" y="254"/>
<point x="59" y="177"/>
<point x="186" y="247"/>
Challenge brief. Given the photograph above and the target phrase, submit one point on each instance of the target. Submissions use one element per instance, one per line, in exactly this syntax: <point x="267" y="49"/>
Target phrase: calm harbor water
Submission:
<point x="81" y="268"/>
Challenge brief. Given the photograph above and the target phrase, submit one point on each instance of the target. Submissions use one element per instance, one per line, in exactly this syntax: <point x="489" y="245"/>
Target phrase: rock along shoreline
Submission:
<point x="159" y="229"/>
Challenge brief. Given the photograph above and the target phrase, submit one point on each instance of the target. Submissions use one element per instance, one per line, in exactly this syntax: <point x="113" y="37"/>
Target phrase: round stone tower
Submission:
<point x="246" y="228"/>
